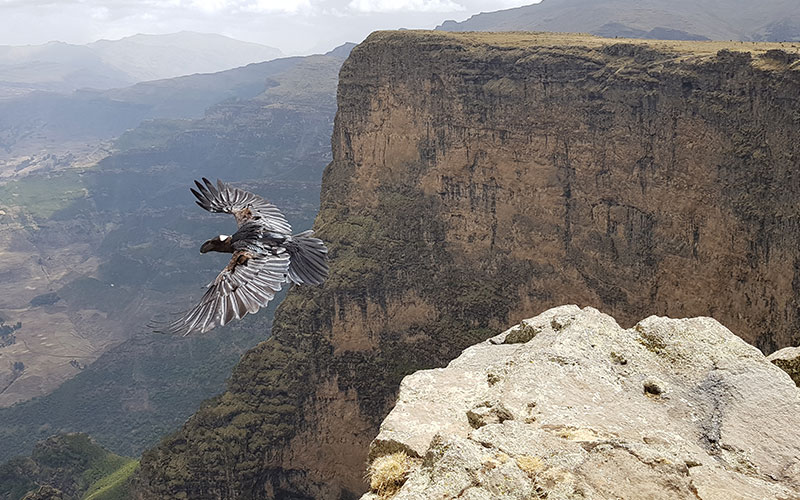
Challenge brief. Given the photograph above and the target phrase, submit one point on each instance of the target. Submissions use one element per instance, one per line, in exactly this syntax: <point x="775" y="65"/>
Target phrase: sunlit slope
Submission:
<point x="73" y="465"/>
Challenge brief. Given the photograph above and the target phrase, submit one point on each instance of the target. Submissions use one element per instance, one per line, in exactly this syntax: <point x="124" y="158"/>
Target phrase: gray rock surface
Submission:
<point x="569" y="405"/>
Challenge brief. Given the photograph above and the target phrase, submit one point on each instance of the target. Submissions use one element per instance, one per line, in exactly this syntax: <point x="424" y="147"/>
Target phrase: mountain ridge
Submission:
<point x="770" y="20"/>
<point x="104" y="64"/>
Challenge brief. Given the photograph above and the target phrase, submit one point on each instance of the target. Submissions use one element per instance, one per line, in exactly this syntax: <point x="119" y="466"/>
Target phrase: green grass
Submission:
<point x="102" y="467"/>
<point x="73" y="463"/>
<point x="40" y="196"/>
<point x="113" y="486"/>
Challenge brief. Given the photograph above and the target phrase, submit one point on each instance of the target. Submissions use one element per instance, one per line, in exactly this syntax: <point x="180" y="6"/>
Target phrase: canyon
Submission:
<point x="91" y="254"/>
<point x="481" y="178"/>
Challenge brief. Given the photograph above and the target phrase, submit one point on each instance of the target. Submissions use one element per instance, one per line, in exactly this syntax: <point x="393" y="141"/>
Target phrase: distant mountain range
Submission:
<point x="41" y="121"/>
<point x="63" y="67"/>
<point x="766" y="20"/>
<point x="266" y="126"/>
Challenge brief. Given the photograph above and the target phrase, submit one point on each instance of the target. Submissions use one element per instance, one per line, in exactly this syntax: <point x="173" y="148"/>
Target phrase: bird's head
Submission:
<point x="221" y="243"/>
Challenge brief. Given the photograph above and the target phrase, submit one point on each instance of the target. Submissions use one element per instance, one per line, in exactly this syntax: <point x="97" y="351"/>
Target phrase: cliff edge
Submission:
<point x="569" y="405"/>
<point x="479" y="179"/>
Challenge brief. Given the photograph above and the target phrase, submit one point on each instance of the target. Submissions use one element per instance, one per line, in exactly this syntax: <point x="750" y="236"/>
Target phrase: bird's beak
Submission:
<point x="207" y="246"/>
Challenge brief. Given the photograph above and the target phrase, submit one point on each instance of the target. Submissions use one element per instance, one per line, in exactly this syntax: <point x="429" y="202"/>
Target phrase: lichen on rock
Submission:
<point x="703" y="416"/>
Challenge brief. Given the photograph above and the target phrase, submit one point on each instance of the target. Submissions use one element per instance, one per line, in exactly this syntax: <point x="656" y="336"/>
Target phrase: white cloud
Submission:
<point x="404" y="6"/>
<point x="250" y="6"/>
<point x="210" y="6"/>
<point x="99" y="13"/>
<point x="287" y="6"/>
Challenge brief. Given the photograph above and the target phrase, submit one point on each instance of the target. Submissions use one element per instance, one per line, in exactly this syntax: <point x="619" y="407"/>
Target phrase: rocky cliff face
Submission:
<point x="568" y="405"/>
<point x="479" y="179"/>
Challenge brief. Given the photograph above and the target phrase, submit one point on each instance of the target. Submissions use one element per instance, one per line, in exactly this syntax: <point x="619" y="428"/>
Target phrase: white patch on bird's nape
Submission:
<point x="223" y="237"/>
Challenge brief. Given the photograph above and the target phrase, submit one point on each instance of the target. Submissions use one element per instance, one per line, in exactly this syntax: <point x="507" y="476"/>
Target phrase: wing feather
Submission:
<point x="241" y="288"/>
<point x="224" y="198"/>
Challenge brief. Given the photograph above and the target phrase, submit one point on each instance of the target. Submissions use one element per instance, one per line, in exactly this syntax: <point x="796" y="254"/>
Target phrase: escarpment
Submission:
<point x="478" y="179"/>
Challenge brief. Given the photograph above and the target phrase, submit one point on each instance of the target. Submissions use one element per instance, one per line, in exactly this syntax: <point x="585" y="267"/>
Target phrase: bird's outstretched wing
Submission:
<point x="247" y="283"/>
<point x="244" y="205"/>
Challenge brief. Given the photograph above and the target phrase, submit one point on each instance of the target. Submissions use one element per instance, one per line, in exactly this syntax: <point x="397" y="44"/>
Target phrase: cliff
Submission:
<point x="478" y="179"/>
<point x="569" y="405"/>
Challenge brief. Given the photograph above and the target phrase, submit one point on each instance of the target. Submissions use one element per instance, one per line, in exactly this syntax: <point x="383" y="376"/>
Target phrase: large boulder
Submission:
<point x="570" y="405"/>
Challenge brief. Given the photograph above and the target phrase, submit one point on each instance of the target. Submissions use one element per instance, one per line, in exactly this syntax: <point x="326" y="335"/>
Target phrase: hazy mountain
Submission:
<point x="43" y="124"/>
<point x="48" y="121"/>
<point x="62" y="67"/>
<point x="55" y="67"/>
<point x="767" y="20"/>
<point x="153" y="57"/>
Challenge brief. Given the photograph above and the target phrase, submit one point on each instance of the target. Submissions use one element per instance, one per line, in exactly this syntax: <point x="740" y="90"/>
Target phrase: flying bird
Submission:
<point x="265" y="256"/>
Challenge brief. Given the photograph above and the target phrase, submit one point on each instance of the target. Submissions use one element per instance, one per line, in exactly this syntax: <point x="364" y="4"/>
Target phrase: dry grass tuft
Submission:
<point x="389" y="472"/>
<point x="530" y="465"/>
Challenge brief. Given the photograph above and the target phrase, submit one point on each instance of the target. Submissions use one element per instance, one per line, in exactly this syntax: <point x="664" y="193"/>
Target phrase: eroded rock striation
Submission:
<point x="671" y="408"/>
<point x="479" y="179"/>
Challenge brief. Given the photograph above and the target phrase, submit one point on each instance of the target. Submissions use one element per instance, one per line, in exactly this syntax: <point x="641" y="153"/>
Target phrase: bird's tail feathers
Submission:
<point x="308" y="264"/>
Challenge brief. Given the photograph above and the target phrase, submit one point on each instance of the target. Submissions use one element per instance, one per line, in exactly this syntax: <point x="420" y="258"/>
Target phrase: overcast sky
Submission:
<point x="294" y="26"/>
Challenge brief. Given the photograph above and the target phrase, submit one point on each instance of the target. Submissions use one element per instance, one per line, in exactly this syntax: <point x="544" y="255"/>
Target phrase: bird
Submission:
<point x="265" y="256"/>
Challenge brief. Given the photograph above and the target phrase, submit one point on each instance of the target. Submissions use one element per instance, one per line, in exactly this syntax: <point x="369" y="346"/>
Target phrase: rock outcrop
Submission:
<point x="671" y="408"/>
<point x="788" y="360"/>
<point x="479" y="179"/>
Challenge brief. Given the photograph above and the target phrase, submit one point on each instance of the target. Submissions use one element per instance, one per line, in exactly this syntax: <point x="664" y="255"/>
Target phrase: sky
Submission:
<point x="294" y="26"/>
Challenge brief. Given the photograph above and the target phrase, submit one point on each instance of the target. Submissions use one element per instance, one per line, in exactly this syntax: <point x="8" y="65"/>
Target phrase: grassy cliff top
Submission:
<point x="475" y="40"/>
